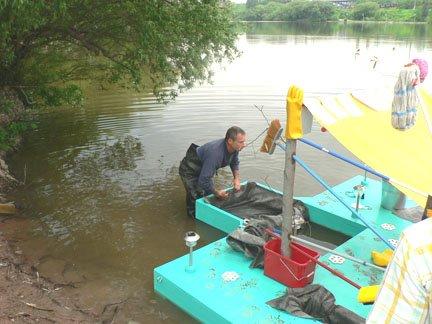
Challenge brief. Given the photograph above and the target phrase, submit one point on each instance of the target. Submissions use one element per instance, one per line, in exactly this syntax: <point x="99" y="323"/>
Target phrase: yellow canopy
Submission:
<point x="362" y="123"/>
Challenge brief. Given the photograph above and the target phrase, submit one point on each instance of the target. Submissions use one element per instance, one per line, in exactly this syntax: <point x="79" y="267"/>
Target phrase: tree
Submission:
<point x="252" y="3"/>
<point x="308" y="10"/>
<point x="365" y="10"/>
<point x="422" y="11"/>
<point x="147" y="44"/>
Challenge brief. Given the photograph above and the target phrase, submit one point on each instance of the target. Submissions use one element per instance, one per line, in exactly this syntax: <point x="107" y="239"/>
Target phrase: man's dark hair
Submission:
<point x="232" y="133"/>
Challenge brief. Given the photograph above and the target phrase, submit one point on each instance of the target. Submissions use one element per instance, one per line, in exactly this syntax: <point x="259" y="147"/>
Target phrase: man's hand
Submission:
<point x="221" y="194"/>
<point x="236" y="184"/>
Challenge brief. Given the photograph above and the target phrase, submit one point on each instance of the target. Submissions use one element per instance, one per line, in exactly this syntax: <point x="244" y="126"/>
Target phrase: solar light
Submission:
<point x="191" y="238"/>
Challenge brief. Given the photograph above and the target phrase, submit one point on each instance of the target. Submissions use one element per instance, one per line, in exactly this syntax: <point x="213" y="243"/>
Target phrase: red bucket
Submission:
<point x="296" y="271"/>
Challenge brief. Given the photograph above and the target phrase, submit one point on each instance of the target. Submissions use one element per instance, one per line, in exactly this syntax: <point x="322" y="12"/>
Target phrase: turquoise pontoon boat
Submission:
<point x="217" y="285"/>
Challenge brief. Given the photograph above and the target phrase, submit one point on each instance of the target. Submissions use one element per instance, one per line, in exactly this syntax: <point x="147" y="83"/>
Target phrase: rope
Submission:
<point x="423" y="107"/>
<point x="250" y="143"/>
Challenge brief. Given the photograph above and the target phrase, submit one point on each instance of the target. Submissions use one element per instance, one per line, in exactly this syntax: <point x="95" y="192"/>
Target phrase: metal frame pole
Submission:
<point x="287" y="200"/>
<point x="343" y="255"/>
<point x="325" y="185"/>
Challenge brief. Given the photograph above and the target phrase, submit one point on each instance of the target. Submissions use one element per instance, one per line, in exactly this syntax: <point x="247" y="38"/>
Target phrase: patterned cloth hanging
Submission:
<point x="405" y="99"/>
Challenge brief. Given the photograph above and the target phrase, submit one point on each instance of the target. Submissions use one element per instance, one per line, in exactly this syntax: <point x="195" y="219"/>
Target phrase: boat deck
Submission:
<point x="205" y="295"/>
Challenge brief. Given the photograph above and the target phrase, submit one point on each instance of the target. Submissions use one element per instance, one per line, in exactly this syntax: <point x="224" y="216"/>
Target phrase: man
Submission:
<point x="201" y="163"/>
<point x="406" y="292"/>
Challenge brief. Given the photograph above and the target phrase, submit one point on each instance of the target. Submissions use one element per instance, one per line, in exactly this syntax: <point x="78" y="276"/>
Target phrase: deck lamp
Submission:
<point x="191" y="238"/>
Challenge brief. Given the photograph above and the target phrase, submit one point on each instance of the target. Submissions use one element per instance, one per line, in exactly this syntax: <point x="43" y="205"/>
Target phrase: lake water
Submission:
<point x="104" y="214"/>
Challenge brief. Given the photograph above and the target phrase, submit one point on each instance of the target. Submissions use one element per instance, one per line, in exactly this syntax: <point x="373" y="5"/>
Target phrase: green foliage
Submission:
<point x="6" y="105"/>
<point x="255" y="13"/>
<point x="364" y="10"/>
<point x="53" y="96"/>
<point x="145" y="44"/>
<point x="10" y="130"/>
<point x="423" y="9"/>
<point x="291" y="11"/>
<point x="252" y="3"/>
<point x="417" y="34"/>
<point x="405" y="4"/>
<point x="310" y="10"/>
<point x="393" y="14"/>
<point x="379" y="10"/>
<point x="9" y="133"/>
<point x="239" y="11"/>
<point x="273" y="11"/>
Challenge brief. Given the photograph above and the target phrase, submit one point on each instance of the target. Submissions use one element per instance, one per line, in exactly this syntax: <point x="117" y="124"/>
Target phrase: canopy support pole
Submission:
<point x="287" y="200"/>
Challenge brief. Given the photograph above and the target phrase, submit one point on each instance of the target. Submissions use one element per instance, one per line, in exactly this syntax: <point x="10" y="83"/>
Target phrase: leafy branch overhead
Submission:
<point x="46" y="46"/>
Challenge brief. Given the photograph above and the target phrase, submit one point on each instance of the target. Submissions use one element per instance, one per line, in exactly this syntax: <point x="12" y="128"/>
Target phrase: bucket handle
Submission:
<point x="292" y="273"/>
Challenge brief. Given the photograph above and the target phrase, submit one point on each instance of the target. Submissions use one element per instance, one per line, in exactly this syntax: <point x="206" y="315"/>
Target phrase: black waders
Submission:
<point x="190" y="168"/>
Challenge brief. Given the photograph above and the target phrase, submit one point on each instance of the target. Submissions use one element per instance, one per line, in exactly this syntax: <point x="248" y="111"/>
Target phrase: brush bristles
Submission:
<point x="270" y="136"/>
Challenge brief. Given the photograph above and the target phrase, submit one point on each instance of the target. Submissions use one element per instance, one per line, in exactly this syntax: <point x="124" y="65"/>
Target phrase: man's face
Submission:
<point x="239" y="143"/>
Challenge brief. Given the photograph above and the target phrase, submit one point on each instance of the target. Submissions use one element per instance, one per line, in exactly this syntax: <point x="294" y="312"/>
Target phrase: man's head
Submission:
<point x="235" y="138"/>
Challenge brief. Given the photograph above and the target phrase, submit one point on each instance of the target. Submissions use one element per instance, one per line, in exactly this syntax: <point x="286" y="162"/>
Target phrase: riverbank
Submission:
<point x="26" y="296"/>
<point x="12" y="111"/>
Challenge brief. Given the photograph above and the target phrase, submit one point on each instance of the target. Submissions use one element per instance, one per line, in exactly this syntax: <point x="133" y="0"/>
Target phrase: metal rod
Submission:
<point x="322" y="264"/>
<point x="325" y="185"/>
<point x="325" y="266"/>
<point x="363" y="166"/>
<point x="344" y="158"/>
<point x="190" y="256"/>
<point x="346" y="256"/>
<point x="288" y="194"/>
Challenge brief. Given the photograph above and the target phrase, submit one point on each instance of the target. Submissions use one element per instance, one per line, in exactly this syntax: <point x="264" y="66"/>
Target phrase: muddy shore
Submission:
<point x="25" y="295"/>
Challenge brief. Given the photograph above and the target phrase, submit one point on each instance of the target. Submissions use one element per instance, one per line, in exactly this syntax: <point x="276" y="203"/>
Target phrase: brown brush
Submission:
<point x="273" y="134"/>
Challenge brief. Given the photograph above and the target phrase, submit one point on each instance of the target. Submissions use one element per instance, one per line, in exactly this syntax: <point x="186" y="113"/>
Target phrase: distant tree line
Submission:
<point x="255" y="10"/>
<point x="380" y="10"/>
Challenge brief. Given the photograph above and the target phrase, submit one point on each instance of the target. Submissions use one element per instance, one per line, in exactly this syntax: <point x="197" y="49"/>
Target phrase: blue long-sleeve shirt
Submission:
<point x="214" y="155"/>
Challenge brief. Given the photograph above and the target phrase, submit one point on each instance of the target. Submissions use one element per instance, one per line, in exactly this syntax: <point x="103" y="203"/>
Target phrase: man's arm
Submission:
<point x="236" y="180"/>
<point x="205" y="180"/>
<point x="234" y="165"/>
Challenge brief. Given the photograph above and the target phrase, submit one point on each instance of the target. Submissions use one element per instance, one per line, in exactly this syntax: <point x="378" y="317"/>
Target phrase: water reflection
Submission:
<point x="397" y="31"/>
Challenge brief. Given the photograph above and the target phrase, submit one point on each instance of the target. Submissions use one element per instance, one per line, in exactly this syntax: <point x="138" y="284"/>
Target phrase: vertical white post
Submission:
<point x="288" y="194"/>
